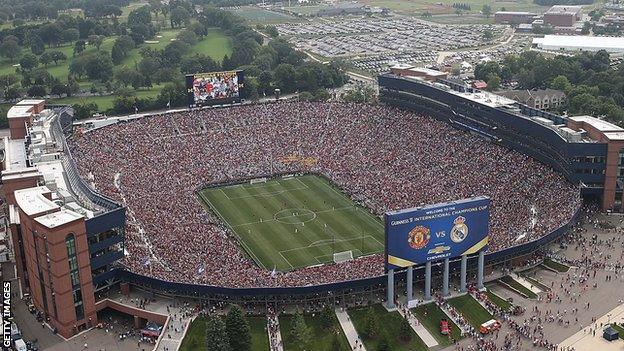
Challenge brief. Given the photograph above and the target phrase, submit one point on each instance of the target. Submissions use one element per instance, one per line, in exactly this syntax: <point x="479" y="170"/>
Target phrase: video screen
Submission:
<point x="214" y="88"/>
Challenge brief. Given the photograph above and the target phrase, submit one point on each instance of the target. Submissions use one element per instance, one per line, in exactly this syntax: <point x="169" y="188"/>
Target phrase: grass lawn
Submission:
<point x="430" y="316"/>
<point x="538" y="284"/>
<point x="559" y="267"/>
<point x="619" y="329"/>
<point x="498" y="301"/>
<point x="295" y="222"/>
<point x="256" y="14"/>
<point x="195" y="338"/>
<point x="389" y="324"/>
<point x="105" y="102"/>
<point x="321" y="339"/>
<point x="519" y="287"/>
<point x="474" y="313"/>
<point x="216" y="45"/>
<point x="444" y="6"/>
<point x="305" y="10"/>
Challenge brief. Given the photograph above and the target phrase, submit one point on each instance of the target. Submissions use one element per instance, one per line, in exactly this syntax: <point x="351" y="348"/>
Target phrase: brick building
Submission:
<point x="66" y="239"/>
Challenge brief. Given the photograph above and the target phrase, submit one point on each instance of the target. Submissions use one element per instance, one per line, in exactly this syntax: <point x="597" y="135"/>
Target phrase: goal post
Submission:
<point x="343" y="256"/>
<point x="258" y="180"/>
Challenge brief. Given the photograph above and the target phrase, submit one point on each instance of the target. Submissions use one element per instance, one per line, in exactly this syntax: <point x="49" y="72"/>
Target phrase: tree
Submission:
<point x="561" y="83"/>
<point x="486" y="10"/>
<point x="79" y="47"/>
<point x="371" y="328"/>
<point x="36" y="91"/>
<point x="327" y="317"/>
<point x="84" y="110"/>
<point x="122" y="46"/>
<point x="586" y="28"/>
<point x="487" y="34"/>
<point x="405" y="330"/>
<point x="284" y="76"/>
<point x="13" y="92"/>
<point x="188" y="37"/>
<point x="10" y="49"/>
<point x="37" y="46"/>
<point x="28" y="62"/>
<point x="96" y="40"/>
<point x="7" y="80"/>
<point x="238" y="330"/>
<point x="58" y="88"/>
<point x="272" y="31"/>
<point x="216" y="334"/>
<point x="70" y="35"/>
<point x="300" y="332"/>
<point x="179" y="16"/>
<point x="51" y="33"/>
<point x="58" y="56"/>
<point x="45" y="58"/>
<point x="493" y="82"/>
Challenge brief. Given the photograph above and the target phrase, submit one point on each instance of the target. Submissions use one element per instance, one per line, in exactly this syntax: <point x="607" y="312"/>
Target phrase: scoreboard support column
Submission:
<point x="410" y="283"/>
<point x="428" y="281"/>
<point x="445" y="279"/>
<point x="390" y="302"/>
<point x="480" y="270"/>
<point x="462" y="275"/>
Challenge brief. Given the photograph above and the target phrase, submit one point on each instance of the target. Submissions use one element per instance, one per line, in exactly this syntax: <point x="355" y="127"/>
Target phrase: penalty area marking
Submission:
<point x="263" y="194"/>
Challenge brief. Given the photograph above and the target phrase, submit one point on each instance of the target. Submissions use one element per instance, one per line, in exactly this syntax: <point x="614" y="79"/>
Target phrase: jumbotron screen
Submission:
<point x="214" y="88"/>
<point x="432" y="233"/>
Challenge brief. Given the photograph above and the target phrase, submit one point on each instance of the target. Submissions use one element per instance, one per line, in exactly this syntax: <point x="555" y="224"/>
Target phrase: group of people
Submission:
<point x="382" y="157"/>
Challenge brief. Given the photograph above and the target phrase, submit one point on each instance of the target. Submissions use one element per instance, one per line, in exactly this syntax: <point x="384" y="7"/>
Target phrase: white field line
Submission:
<point x="251" y="253"/>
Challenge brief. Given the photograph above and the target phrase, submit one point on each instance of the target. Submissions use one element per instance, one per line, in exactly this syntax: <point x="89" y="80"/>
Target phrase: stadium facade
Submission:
<point x="586" y="150"/>
<point x="68" y="239"/>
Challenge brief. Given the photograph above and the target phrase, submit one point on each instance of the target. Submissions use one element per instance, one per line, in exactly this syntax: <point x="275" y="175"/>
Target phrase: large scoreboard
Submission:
<point x="214" y="88"/>
<point x="431" y="233"/>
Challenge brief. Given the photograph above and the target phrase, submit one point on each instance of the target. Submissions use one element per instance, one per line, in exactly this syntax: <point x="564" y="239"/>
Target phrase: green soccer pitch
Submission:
<point x="295" y="222"/>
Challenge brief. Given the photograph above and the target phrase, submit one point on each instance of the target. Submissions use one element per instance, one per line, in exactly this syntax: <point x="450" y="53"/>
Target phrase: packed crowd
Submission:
<point x="383" y="158"/>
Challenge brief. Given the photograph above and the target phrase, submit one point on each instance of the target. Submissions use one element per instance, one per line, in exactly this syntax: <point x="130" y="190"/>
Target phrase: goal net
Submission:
<point x="343" y="256"/>
<point x="258" y="180"/>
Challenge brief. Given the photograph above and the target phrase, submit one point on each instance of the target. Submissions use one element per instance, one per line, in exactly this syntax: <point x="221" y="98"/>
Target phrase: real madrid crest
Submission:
<point x="418" y="237"/>
<point x="460" y="230"/>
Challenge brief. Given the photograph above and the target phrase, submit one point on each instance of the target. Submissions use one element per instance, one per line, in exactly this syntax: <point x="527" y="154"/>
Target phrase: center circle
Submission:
<point x="294" y="216"/>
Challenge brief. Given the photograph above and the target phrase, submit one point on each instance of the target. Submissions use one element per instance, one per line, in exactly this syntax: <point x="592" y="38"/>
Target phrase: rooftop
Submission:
<point x="18" y="111"/>
<point x="520" y="13"/>
<point x="598" y="123"/>
<point x="58" y="218"/>
<point x="613" y="44"/>
<point x="30" y="102"/>
<point x="32" y="200"/>
<point x="564" y="9"/>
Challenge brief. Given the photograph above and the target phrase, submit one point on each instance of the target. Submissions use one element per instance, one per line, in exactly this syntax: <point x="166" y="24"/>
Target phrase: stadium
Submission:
<point x="321" y="176"/>
<point x="286" y="201"/>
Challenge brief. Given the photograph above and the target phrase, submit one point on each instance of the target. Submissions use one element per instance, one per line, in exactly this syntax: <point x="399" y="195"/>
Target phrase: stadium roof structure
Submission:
<point x="580" y="43"/>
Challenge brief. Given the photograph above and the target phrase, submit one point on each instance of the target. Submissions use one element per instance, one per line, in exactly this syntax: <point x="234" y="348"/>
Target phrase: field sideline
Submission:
<point x="295" y="222"/>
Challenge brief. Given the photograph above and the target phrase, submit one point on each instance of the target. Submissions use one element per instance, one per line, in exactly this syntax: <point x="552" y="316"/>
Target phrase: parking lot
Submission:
<point x="371" y="44"/>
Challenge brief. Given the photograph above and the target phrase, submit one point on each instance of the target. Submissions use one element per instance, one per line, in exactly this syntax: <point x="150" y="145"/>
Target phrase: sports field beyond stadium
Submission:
<point x="295" y="222"/>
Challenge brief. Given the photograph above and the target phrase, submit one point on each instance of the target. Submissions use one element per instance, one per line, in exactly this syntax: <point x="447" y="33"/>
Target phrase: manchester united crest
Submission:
<point x="418" y="237"/>
<point x="460" y="230"/>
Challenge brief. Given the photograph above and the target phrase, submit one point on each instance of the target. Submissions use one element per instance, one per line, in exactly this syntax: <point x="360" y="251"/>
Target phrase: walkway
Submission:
<point x="527" y="284"/>
<point x="349" y="329"/>
<point x="422" y="332"/>
<point x="586" y="340"/>
<point x="275" y="342"/>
